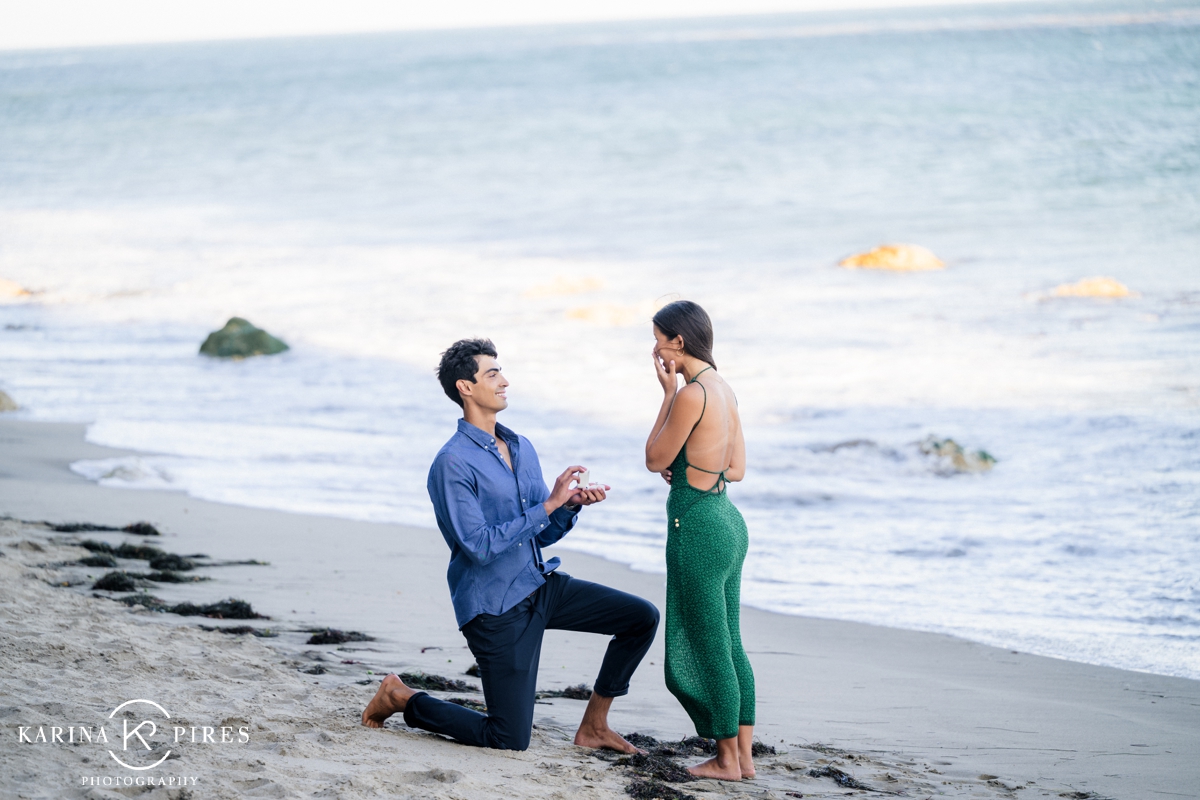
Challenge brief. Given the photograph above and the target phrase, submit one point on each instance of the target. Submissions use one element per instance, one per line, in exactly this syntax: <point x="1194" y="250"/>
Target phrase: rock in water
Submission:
<point x="7" y="403"/>
<point x="240" y="339"/>
<point x="1094" y="287"/>
<point x="953" y="458"/>
<point x="10" y="289"/>
<point x="895" y="257"/>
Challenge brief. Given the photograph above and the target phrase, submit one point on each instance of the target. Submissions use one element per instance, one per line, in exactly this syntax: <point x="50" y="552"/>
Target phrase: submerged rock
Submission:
<point x="953" y="458"/>
<point x="240" y="339"/>
<point x="1094" y="287"/>
<point x="7" y="403"/>
<point x="895" y="257"/>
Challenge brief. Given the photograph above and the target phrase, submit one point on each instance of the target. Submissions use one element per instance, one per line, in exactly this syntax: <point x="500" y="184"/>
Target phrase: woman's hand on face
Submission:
<point x="666" y="374"/>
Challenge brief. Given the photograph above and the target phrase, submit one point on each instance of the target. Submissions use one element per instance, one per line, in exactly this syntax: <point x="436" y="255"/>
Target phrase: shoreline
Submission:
<point x="947" y="710"/>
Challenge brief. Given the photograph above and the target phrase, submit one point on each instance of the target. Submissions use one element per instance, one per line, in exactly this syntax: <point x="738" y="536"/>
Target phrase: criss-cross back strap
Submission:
<point x="719" y="486"/>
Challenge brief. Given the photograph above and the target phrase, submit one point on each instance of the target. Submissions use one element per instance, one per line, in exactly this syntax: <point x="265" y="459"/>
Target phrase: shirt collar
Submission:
<point x="482" y="437"/>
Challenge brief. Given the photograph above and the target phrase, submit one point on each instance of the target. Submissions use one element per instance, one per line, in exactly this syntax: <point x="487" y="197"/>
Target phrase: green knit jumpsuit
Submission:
<point x="707" y="668"/>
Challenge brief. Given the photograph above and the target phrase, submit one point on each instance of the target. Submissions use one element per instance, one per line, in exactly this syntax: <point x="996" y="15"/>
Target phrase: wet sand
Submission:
<point x="920" y="713"/>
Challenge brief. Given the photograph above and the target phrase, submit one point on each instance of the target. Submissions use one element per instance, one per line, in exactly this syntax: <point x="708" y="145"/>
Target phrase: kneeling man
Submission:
<point x="496" y="514"/>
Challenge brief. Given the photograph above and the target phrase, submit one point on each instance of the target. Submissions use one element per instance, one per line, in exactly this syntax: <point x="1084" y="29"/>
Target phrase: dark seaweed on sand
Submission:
<point x="225" y="609"/>
<point x="473" y="671"/>
<point x="264" y="633"/>
<point x="137" y="528"/>
<point x="117" y="582"/>
<point x="580" y="691"/>
<point x="334" y="636"/>
<point x="143" y="552"/>
<point x="173" y="577"/>
<point x="436" y="683"/>
<point x="691" y="746"/>
<point x="99" y="560"/>
<point x="317" y="670"/>
<point x="96" y="547"/>
<point x="655" y="766"/>
<point x="467" y="702"/>
<point x="839" y="777"/>
<point x="757" y="749"/>
<point x="170" y="562"/>
<point x="650" y="789"/>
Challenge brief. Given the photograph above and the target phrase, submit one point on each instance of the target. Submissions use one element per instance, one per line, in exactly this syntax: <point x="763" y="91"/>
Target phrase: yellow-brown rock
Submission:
<point x="895" y="257"/>
<point x="1094" y="287"/>
<point x="9" y="289"/>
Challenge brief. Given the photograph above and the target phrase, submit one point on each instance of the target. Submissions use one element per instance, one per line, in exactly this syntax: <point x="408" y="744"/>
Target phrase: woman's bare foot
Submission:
<point x="391" y="698"/>
<point x="745" y="741"/>
<point x="725" y="766"/>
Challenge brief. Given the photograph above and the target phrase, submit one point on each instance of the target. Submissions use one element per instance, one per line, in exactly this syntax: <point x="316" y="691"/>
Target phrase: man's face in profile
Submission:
<point x="488" y="390"/>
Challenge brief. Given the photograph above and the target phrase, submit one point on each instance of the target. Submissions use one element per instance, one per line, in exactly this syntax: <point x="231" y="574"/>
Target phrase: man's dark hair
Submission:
<point x="458" y="364"/>
<point x="687" y="319"/>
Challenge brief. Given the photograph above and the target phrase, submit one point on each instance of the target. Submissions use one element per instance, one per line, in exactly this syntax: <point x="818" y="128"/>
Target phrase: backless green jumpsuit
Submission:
<point x="707" y="668"/>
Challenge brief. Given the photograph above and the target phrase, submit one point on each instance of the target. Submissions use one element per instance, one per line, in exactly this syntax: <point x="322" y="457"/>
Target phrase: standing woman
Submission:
<point x="698" y="447"/>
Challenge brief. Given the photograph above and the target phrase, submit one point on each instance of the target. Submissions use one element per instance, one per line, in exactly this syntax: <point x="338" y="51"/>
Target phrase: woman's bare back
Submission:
<point x="715" y="445"/>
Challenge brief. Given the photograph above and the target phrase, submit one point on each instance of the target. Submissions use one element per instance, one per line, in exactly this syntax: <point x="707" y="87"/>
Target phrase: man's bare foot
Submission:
<point x="603" y="739"/>
<point x="391" y="698"/>
<point x="713" y="768"/>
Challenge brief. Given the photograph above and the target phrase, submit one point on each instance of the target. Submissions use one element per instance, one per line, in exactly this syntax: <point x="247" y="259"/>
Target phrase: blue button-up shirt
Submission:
<point x="492" y="518"/>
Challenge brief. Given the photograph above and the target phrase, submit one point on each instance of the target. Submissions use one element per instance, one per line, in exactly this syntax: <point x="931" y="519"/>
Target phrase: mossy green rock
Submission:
<point x="240" y="339"/>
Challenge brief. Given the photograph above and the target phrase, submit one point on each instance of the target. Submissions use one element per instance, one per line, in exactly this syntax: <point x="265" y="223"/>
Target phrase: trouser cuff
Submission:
<point x="410" y="709"/>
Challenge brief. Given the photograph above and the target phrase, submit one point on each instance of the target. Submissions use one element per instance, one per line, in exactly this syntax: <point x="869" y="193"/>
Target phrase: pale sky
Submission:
<point x="66" y="23"/>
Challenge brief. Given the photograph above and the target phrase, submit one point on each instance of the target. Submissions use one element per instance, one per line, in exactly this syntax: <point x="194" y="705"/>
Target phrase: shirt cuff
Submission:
<point x="565" y="517"/>
<point x="538" y="519"/>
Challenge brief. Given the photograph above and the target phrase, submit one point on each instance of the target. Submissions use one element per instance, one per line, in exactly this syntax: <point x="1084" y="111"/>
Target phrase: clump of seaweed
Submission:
<point x="173" y="577"/>
<point x="238" y="630"/>
<point x="136" y="528"/>
<point x="840" y="778"/>
<point x="170" y="562"/>
<point x="757" y="749"/>
<point x="142" y="552"/>
<point x="334" y="636"/>
<point x="436" y="683"/>
<point x="98" y="560"/>
<point x="473" y="671"/>
<point x="224" y="609"/>
<point x="96" y="547"/>
<point x="580" y="691"/>
<point x="691" y="746"/>
<point x="655" y="766"/>
<point x="117" y="582"/>
<point x="467" y="702"/>
<point x="315" y="670"/>
<point x="651" y="789"/>
<point x="142" y="599"/>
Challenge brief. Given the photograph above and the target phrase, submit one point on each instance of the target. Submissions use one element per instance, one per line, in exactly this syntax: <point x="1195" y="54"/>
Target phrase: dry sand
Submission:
<point x="904" y="712"/>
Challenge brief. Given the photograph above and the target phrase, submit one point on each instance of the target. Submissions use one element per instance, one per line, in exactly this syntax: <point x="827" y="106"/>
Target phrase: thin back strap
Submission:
<point x="718" y="486"/>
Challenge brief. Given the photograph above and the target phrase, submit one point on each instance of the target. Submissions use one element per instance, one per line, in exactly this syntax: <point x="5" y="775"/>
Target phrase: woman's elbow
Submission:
<point x="656" y="464"/>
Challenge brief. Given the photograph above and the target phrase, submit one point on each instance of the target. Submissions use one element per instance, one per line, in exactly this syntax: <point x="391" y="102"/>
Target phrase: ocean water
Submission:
<point x="371" y="199"/>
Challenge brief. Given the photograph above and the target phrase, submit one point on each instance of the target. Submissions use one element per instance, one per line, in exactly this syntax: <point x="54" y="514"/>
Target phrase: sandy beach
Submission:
<point x="902" y="712"/>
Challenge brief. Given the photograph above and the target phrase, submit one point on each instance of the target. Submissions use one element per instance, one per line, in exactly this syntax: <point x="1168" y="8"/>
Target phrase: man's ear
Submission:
<point x="464" y="386"/>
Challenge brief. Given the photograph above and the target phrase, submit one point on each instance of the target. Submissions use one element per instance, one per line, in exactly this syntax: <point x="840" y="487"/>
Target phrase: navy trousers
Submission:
<point x="508" y="648"/>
